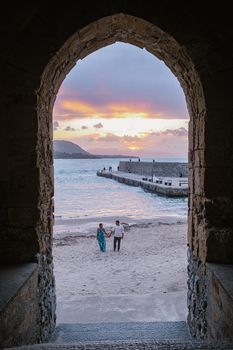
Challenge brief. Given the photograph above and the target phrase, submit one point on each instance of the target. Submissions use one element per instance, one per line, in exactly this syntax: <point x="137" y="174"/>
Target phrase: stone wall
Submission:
<point x="19" y="305"/>
<point x="158" y="168"/>
<point x="197" y="297"/>
<point x="210" y="303"/>
<point x="47" y="299"/>
<point x="219" y="311"/>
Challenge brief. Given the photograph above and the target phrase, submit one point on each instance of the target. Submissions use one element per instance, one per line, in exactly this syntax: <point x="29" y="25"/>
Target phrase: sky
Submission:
<point x="122" y="100"/>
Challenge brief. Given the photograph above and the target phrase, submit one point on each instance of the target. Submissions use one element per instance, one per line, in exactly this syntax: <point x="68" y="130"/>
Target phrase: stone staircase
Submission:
<point x="125" y="336"/>
<point x="132" y="345"/>
<point x="121" y="331"/>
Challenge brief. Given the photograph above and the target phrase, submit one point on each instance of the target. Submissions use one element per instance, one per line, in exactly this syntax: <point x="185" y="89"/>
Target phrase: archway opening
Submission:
<point x="108" y="30"/>
<point x="118" y="101"/>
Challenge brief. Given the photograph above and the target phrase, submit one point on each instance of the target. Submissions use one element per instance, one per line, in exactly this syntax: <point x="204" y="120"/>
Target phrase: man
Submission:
<point x="118" y="233"/>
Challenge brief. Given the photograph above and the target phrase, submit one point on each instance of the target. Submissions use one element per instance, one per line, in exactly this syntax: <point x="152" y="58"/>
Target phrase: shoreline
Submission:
<point x="89" y="224"/>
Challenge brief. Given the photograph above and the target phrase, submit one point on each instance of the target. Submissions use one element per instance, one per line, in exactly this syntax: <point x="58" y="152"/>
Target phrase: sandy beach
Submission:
<point x="146" y="280"/>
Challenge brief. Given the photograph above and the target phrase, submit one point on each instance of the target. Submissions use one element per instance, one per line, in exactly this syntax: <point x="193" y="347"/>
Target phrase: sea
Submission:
<point x="81" y="194"/>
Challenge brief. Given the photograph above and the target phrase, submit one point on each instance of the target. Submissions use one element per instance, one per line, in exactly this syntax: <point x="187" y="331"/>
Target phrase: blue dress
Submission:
<point x="101" y="240"/>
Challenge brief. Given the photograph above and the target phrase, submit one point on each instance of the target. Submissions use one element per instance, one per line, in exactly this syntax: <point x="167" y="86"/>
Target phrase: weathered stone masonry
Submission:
<point x="157" y="168"/>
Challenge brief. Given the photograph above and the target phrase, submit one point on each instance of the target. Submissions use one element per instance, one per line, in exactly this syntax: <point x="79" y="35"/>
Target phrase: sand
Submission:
<point x="149" y="271"/>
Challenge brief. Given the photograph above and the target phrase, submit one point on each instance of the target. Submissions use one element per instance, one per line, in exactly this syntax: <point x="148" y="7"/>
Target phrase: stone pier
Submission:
<point x="166" y="186"/>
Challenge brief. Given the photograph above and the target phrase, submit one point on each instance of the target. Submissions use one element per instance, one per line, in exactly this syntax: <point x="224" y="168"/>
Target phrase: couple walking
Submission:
<point x="117" y="232"/>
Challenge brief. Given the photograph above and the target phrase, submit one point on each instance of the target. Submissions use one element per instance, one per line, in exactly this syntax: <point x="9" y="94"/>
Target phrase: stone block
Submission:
<point x="3" y="217"/>
<point x="88" y="33"/>
<point x="20" y="83"/>
<point x="218" y="182"/>
<point x="3" y="193"/>
<point x="218" y="130"/>
<point x="199" y="158"/>
<point x="25" y="245"/>
<point x="191" y="230"/>
<point x="219" y="300"/>
<point x="24" y="117"/>
<point x="218" y="212"/>
<point x="197" y="297"/>
<point x="218" y="87"/>
<point x="219" y="245"/>
<point x="23" y="186"/>
<point x="218" y="157"/>
<point x="198" y="132"/>
<point x="23" y="217"/>
<point x="19" y="307"/>
<point x="198" y="179"/>
<point x="158" y="168"/>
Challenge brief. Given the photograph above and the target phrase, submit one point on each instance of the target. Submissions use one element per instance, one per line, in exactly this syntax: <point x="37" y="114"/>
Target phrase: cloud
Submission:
<point x="180" y="132"/>
<point x="68" y="109"/>
<point x="120" y="75"/>
<point x="55" y="125"/>
<point x="84" y="127"/>
<point x="176" y="132"/>
<point x="110" y="138"/>
<point x="90" y="138"/>
<point x="167" y="143"/>
<point x="98" y="126"/>
<point x="141" y="138"/>
<point x="69" y="128"/>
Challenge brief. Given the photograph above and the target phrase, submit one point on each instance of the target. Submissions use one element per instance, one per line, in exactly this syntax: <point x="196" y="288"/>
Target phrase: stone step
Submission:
<point x="132" y="345"/>
<point x="121" y="331"/>
<point x="125" y="336"/>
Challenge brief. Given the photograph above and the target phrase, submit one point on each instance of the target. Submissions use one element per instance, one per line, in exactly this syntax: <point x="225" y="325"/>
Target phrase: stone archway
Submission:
<point x="35" y="64"/>
<point x="103" y="32"/>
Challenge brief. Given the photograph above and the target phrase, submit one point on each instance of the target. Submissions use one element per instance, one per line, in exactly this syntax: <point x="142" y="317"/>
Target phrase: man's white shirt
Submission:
<point x="118" y="231"/>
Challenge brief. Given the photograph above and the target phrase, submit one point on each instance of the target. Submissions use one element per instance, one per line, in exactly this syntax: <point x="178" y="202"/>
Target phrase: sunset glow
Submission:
<point x="79" y="109"/>
<point x="134" y="148"/>
<point x="122" y="100"/>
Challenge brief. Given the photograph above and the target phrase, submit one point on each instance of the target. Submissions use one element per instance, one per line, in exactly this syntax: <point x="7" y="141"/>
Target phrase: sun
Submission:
<point x="134" y="148"/>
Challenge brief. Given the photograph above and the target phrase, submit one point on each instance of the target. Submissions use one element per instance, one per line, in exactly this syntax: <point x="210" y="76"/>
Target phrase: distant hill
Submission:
<point x="69" y="150"/>
<point x="67" y="147"/>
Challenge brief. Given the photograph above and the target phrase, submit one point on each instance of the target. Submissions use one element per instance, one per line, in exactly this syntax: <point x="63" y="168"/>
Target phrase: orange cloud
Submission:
<point x="78" y="107"/>
<point x="74" y="109"/>
<point x="129" y="110"/>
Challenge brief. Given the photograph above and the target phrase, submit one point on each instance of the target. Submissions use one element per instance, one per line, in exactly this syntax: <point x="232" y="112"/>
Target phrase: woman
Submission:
<point x="101" y="233"/>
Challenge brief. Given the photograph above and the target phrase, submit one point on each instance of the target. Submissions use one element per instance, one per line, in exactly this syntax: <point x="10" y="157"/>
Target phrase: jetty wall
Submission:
<point x="148" y="186"/>
<point x="158" y="168"/>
